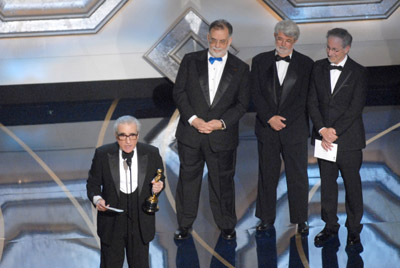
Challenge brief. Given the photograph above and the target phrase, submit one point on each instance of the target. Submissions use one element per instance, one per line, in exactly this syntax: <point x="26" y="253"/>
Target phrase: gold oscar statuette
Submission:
<point x="151" y="204"/>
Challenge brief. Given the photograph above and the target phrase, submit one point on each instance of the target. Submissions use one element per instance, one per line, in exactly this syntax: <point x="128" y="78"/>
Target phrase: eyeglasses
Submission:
<point x="214" y="41"/>
<point x="124" y="137"/>
<point x="334" y="50"/>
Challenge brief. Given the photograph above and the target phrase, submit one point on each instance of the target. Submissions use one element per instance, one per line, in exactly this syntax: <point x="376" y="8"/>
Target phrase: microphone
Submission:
<point x="128" y="158"/>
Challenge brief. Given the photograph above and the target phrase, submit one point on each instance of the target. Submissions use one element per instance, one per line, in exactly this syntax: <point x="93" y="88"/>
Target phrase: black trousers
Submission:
<point x="221" y="186"/>
<point x="349" y="164"/>
<point x="295" y="159"/>
<point x="127" y="238"/>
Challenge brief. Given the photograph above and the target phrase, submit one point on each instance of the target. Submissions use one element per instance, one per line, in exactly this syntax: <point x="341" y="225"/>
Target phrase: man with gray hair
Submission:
<point x="279" y="84"/>
<point x="121" y="177"/>
<point x="337" y="96"/>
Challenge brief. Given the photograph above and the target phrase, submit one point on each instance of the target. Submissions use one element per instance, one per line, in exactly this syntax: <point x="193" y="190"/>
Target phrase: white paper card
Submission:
<point x="321" y="153"/>
<point x="115" y="209"/>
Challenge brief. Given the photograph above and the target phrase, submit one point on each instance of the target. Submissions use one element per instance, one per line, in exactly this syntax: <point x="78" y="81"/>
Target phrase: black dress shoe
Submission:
<point x="302" y="228"/>
<point x="228" y="234"/>
<point x="182" y="233"/>
<point x="262" y="226"/>
<point x="324" y="236"/>
<point x="353" y="238"/>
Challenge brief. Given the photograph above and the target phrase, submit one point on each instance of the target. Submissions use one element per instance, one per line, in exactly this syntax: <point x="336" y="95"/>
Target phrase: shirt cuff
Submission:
<point x="191" y="119"/>
<point x="223" y="124"/>
<point x="319" y="131"/>
<point x="96" y="199"/>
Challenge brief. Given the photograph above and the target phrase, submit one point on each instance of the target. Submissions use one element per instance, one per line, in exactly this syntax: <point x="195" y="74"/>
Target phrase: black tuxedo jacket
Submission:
<point x="191" y="96"/>
<point x="342" y="109"/>
<point x="293" y="101"/>
<point x="104" y="180"/>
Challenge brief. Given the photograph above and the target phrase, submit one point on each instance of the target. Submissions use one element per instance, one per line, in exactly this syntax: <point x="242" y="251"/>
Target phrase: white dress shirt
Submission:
<point x="215" y="71"/>
<point x="282" y="67"/>
<point x="336" y="73"/>
<point x="124" y="173"/>
<point x="124" y="176"/>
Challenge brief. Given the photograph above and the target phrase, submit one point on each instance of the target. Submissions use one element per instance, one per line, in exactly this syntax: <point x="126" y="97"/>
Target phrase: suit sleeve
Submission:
<point x="356" y="106"/>
<point x="313" y="102"/>
<point x="159" y="165"/>
<point x="238" y="109"/>
<point x="261" y="105"/>
<point x="94" y="181"/>
<point x="179" y="92"/>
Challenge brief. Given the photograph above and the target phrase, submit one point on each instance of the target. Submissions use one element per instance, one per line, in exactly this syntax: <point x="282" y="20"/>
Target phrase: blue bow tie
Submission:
<point x="212" y="59"/>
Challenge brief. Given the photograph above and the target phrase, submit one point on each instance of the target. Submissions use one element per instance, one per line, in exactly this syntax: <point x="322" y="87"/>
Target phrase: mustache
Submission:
<point x="283" y="48"/>
<point x="217" y="48"/>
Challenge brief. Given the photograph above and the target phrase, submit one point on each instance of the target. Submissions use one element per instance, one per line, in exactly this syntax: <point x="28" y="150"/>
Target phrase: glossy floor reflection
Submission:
<point x="47" y="221"/>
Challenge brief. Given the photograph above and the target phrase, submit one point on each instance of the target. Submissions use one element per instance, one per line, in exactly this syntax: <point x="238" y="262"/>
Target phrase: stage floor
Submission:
<point x="47" y="221"/>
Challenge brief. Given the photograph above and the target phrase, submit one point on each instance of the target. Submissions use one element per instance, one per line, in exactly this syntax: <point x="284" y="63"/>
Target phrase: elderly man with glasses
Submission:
<point x="120" y="180"/>
<point x="211" y="93"/>
<point x="337" y="96"/>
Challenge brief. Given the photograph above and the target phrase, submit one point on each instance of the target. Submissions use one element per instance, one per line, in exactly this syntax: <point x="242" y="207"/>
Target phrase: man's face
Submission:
<point x="218" y="42"/>
<point x="335" y="50"/>
<point x="284" y="44"/>
<point x="127" y="137"/>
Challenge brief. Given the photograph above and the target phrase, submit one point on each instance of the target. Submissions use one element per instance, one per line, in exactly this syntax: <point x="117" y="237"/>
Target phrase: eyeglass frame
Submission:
<point x="124" y="137"/>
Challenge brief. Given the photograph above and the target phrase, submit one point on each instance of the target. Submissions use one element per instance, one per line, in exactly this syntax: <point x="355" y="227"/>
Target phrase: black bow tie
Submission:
<point x="335" y="67"/>
<point x="279" y="58"/>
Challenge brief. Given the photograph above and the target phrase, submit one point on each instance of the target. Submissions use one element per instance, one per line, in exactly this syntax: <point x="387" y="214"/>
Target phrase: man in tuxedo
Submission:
<point x="211" y="92"/>
<point x="121" y="176"/>
<point x="336" y="100"/>
<point x="279" y="84"/>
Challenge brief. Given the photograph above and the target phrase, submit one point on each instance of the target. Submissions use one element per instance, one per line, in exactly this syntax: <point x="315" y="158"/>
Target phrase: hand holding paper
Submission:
<point x="320" y="152"/>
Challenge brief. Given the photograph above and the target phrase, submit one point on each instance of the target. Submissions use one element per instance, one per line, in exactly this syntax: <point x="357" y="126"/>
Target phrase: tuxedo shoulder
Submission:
<point x="304" y="58"/>
<point x="195" y="54"/>
<point x="263" y="55"/>
<point x="147" y="147"/>
<point x="321" y="62"/>
<point x="356" y="65"/>
<point x="237" y="60"/>
<point x="106" y="148"/>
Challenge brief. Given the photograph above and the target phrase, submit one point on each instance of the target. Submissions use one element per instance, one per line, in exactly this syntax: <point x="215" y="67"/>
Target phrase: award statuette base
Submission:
<point x="151" y="205"/>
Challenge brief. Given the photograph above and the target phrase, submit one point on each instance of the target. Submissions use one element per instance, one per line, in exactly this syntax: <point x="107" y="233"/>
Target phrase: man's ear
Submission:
<point x="347" y="49"/>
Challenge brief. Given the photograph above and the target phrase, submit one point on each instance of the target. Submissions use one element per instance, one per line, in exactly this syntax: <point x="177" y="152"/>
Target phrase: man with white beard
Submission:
<point x="279" y="84"/>
<point x="211" y="92"/>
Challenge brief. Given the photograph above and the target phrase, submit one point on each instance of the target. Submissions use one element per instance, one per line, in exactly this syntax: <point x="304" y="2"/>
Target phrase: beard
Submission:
<point x="283" y="50"/>
<point x="218" y="52"/>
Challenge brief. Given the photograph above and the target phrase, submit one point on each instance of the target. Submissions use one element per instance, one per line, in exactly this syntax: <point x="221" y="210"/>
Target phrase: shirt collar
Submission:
<point x="134" y="152"/>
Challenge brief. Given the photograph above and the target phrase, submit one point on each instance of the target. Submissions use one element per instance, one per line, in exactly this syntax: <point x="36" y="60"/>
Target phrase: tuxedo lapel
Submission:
<point x="226" y="78"/>
<point x="290" y="80"/>
<point x="202" y="70"/>
<point x="113" y="161"/>
<point x="344" y="76"/>
<point x="326" y="78"/>
<point x="142" y="164"/>
<point x="269" y="76"/>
